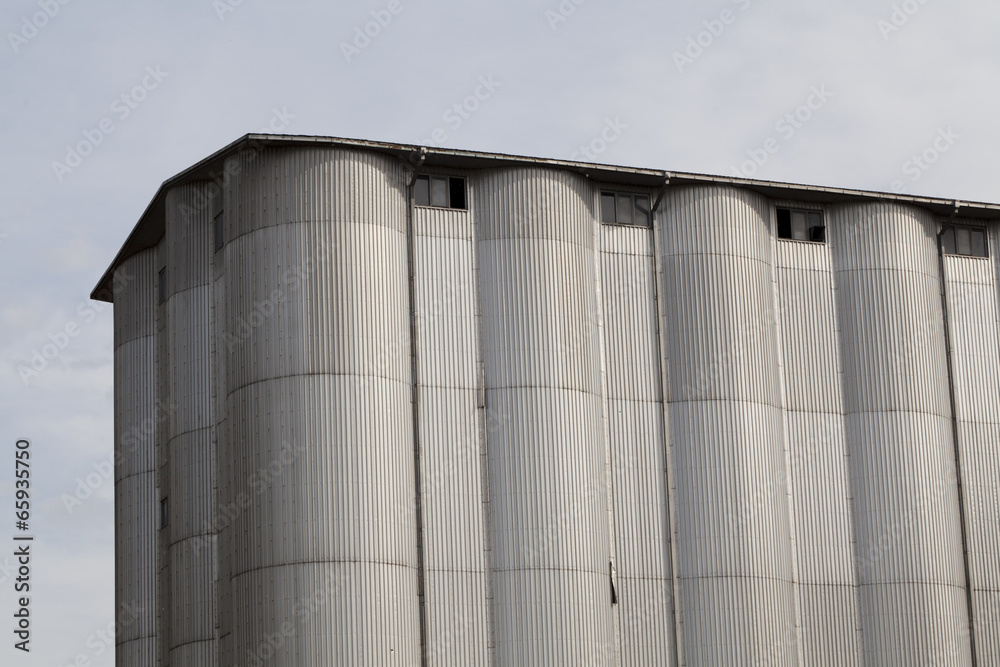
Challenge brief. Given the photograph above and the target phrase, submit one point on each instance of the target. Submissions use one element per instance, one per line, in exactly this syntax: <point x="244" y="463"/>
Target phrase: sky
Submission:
<point x="102" y="102"/>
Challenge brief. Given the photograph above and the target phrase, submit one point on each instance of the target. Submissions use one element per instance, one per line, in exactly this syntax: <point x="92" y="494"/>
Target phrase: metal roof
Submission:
<point x="149" y="229"/>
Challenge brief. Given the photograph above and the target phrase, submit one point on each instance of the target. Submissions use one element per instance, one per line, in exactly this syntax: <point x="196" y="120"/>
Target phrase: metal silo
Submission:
<point x="188" y="477"/>
<point x="734" y="545"/>
<point x="899" y="431"/>
<point x="548" y="482"/>
<point x="322" y="546"/>
<point x="137" y="505"/>
<point x="497" y="430"/>
<point x="818" y="453"/>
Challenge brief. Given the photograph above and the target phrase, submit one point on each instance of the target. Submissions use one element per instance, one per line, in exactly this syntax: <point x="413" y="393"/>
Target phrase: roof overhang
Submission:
<point x="150" y="228"/>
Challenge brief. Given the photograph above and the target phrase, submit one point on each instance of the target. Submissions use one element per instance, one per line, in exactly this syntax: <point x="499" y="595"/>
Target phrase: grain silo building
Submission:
<point x="378" y="404"/>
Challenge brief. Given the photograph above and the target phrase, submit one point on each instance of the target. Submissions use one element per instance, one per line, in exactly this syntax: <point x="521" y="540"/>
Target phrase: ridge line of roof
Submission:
<point x="131" y="245"/>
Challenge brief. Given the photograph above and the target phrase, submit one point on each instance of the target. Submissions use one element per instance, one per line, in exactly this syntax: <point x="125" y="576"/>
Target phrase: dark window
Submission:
<point x="440" y="191"/>
<point x="164" y="513"/>
<point x="620" y="208"/>
<point x="966" y="241"/>
<point x="162" y="285"/>
<point x="801" y="225"/>
<point x="422" y="191"/>
<point x="219" y="233"/>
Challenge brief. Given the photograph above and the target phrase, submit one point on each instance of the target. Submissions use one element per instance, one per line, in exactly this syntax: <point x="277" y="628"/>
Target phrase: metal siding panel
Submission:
<point x="735" y="557"/>
<point x="635" y="420"/>
<point x="189" y="483"/>
<point x="818" y="463"/>
<point x="455" y="566"/>
<point x="317" y="341"/>
<point x="973" y="313"/>
<point x="136" y="415"/>
<point x="900" y="435"/>
<point x="548" y="486"/>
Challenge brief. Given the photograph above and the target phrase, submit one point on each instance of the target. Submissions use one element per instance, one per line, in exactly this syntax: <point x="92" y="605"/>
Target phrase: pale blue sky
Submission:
<point x="196" y="76"/>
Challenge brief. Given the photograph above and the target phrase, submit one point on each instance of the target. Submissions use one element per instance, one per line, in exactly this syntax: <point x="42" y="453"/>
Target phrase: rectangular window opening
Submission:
<point x="801" y="225"/>
<point x="623" y="208"/>
<point x="164" y="513"/>
<point x="219" y="234"/>
<point x="440" y="192"/>
<point x="162" y="285"/>
<point x="966" y="241"/>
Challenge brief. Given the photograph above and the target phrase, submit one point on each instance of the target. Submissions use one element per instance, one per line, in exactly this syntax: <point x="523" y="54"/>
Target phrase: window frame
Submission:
<point x="219" y="231"/>
<point x="950" y="247"/>
<point x="453" y="185"/>
<point x="791" y="210"/>
<point x="161" y="286"/>
<point x="616" y="197"/>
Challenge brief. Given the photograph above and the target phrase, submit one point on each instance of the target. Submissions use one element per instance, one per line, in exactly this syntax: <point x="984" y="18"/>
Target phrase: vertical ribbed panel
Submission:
<point x="452" y="492"/>
<point x="899" y="431"/>
<point x="548" y="486"/>
<point x="635" y="428"/>
<point x="190" y="452"/>
<point x="821" y="492"/>
<point x="971" y="288"/>
<point x="164" y="584"/>
<point x="136" y="503"/>
<point x="323" y="545"/>
<point x="734" y="542"/>
<point x="221" y="519"/>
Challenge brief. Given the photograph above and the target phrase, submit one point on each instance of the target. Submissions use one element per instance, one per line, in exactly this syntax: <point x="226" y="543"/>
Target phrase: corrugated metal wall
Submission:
<point x="634" y="407"/>
<point x="694" y="444"/>
<point x="548" y="486"/>
<point x="735" y="558"/>
<point x="450" y="421"/>
<point x="973" y="312"/>
<point x="899" y="431"/>
<point x="137" y="409"/>
<point x="323" y="547"/>
<point x="189" y="481"/>
<point x="818" y="455"/>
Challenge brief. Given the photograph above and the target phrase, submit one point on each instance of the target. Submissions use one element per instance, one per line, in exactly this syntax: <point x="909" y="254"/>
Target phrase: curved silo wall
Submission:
<point x="323" y="548"/>
<point x="189" y="479"/>
<point x="818" y="453"/>
<point x="971" y="286"/>
<point x="899" y="431"/>
<point x="735" y="557"/>
<point x="137" y="412"/>
<point x="634" y="407"/>
<point x="450" y="423"/>
<point x="548" y="484"/>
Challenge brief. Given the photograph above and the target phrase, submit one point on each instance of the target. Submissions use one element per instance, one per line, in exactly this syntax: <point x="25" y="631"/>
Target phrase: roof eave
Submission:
<point x="150" y="227"/>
